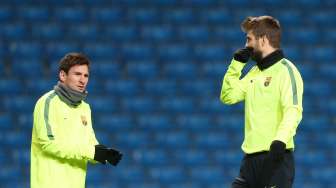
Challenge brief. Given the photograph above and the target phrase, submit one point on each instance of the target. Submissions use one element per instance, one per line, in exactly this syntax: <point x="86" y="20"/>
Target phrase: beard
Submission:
<point x="256" y="55"/>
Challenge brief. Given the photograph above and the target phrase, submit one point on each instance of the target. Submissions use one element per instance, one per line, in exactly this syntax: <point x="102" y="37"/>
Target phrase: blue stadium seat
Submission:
<point x="202" y="88"/>
<point x="10" y="87"/>
<point x="5" y="121"/>
<point x="98" y="51"/>
<point x="70" y="14"/>
<point x="157" y="33"/>
<point x="167" y="174"/>
<point x="89" y="32"/>
<point x="289" y="18"/>
<point x="152" y="157"/>
<point x="318" y="54"/>
<point x="39" y="86"/>
<point x="304" y="36"/>
<point x="327" y="18"/>
<point x="184" y="185"/>
<point x="107" y="14"/>
<point x="143" y="15"/>
<point x="154" y="122"/>
<point x="14" y="31"/>
<point x="103" y="104"/>
<point x="208" y="174"/>
<point x="57" y="50"/>
<point x="182" y="70"/>
<point x="16" y="139"/>
<point x="214" y="70"/>
<point x="132" y="140"/>
<point x="143" y="185"/>
<point x="173" y="140"/>
<point x="130" y="174"/>
<point x="228" y="158"/>
<point x="30" y="68"/>
<point x="121" y="33"/>
<point x="228" y="34"/>
<point x="6" y="14"/>
<point x="212" y="141"/>
<point x="138" y="105"/>
<point x="47" y="31"/>
<point x="209" y="53"/>
<point x="324" y="174"/>
<point x="113" y="122"/>
<point x="122" y="87"/>
<point x="192" y="157"/>
<point x="174" y="52"/>
<point x="177" y="105"/>
<point x="160" y="87"/>
<point x="198" y="123"/>
<point x="329" y="36"/>
<point x="293" y="53"/>
<point x="25" y="121"/>
<point x="34" y="13"/>
<point x="216" y="16"/>
<point x="327" y="71"/>
<point x="9" y="173"/>
<point x="142" y="69"/>
<point x="193" y="33"/>
<point x="318" y="88"/>
<point x="137" y="51"/>
<point x="26" y="50"/>
<point x="105" y="69"/>
<point x="15" y="104"/>
<point x="179" y="16"/>
<point x="315" y="123"/>
<point x="2" y="67"/>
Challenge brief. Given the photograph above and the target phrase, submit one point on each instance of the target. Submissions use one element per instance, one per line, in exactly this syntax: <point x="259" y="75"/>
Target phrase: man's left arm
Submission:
<point x="291" y="93"/>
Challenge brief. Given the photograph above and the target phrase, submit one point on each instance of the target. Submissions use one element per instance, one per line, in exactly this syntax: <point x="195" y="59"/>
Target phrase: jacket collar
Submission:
<point x="270" y="59"/>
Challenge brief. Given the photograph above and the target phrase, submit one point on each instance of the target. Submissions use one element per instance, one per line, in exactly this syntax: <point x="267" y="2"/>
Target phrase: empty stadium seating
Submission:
<point x="156" y="75"/>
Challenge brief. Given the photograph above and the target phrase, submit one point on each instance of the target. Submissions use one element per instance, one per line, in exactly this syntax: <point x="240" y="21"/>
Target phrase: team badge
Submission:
<point x="267" y="81"/>
<point x="84" y="121"/>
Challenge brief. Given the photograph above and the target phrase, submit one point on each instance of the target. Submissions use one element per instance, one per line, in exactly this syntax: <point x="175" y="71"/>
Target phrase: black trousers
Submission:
<point x="257" y="171"/>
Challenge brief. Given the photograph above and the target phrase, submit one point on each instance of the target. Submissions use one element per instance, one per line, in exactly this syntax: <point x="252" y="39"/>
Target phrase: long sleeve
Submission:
<point x="291" y="93"/>
<point x="233" y="88"/>
<point x="51" y="141"/>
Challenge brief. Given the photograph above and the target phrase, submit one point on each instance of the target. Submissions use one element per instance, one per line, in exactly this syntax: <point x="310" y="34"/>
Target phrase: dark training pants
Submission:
<point x="257" y="171"/>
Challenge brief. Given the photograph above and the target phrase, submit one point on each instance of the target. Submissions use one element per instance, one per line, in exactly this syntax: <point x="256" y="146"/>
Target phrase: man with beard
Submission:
<point x="272" y="91"/>
<point x="63" y="140"/>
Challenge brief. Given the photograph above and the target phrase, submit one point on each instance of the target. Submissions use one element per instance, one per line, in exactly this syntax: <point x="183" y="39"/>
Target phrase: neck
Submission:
<point x="268" y="51"/>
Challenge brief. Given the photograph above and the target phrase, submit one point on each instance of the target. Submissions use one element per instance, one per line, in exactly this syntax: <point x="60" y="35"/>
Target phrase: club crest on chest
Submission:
<point x="84" y="120"/>
<point x="267" y="81"/>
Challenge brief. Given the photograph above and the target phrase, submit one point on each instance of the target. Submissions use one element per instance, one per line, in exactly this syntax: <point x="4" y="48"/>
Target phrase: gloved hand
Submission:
<point x="277" y="151"/>
<point x="113" y="156"/>
<point x="103" y="154"/>
<point x="100" y="153"/>
<point x="243" y="55"/>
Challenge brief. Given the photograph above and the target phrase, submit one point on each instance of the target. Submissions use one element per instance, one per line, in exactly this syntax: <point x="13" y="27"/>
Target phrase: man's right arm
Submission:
<point x="234" y="89"/>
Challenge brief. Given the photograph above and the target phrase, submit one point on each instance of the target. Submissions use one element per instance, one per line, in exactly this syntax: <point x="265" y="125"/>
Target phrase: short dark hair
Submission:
<point x="72" y="59"/>
<point x="263" y="26"/>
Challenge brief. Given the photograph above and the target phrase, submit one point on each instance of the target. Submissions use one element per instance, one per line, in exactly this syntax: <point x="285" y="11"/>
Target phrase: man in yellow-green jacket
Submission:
<point x="63" y="140"/>
<point x="272" y="91"/>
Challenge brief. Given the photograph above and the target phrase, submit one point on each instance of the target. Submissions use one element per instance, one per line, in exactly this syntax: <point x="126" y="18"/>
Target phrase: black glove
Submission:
<point x="243" y="55"/>
<point x="101" y="152"/>
<point x="272" y="162"/>
<point x="277" y="151"/>
<point x="113" y="156"/>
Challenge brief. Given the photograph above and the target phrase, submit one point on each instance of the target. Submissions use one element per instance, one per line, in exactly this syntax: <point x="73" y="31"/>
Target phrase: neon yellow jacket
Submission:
<point x="62" y="143"/>
<point x="273" y="102"/>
